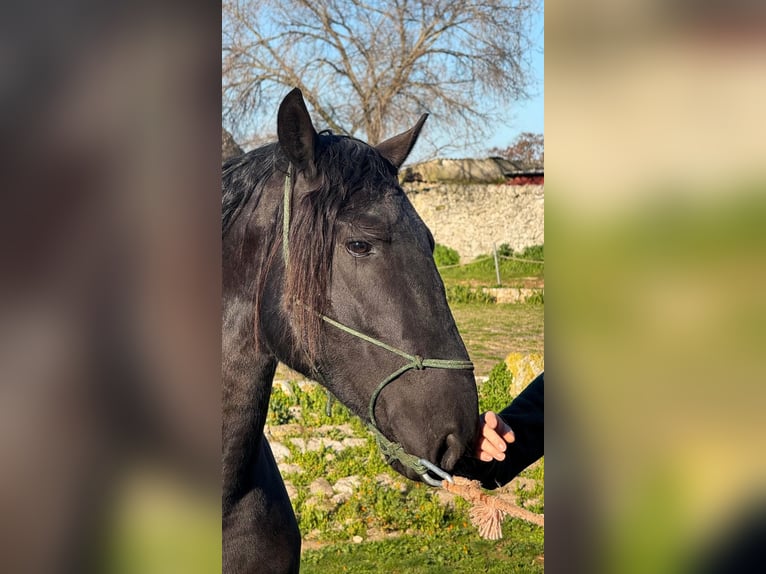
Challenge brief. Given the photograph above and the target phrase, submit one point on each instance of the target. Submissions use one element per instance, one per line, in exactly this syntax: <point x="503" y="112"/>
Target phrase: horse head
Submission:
<point x="352" y="297"/>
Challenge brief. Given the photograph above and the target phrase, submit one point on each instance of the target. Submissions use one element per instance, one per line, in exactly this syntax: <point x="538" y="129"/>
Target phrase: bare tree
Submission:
<point x="528" y="149"/>
<point x="368" y="67"/>
<point x="229" y="147"/>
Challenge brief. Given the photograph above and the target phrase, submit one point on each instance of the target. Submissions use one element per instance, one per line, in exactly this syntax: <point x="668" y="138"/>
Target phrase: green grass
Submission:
<point x="444" y="255"/>
<point x="491" y="332"/>
<point x="494" y="393"/>
<point x="533" y="498"/>
<point x="455" y="550"/>
<point x="403" y="528"/>
<point x="481" y="271"/>
<point x="466" y="294"/>
<point x="372" y="509"/>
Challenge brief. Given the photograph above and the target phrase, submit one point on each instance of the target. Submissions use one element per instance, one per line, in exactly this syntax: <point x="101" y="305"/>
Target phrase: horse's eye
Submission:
<point x="359" y="248"/>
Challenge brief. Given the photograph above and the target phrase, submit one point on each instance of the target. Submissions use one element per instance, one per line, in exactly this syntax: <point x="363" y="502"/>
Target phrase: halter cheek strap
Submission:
<point x="286" y="217"/>
<point x="391" y="450"/>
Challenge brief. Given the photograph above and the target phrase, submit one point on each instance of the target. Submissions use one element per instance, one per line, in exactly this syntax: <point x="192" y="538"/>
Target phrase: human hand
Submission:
<point x="494" y="435"/>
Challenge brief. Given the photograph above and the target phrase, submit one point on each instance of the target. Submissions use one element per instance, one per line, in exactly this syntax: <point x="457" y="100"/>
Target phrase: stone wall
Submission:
<point x="470" y="218"/>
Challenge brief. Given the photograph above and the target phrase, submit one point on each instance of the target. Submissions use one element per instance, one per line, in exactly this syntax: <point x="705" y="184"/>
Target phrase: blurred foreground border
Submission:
<point x="655" y="213"/>
<point x="109" y="289"/>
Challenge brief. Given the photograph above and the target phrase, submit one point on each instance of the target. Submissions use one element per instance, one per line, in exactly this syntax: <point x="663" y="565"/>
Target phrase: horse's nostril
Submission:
<point x="452" y="453"/>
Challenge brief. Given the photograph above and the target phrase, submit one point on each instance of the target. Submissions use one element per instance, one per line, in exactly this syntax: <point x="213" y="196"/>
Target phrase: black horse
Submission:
<point x="328" y="268"/>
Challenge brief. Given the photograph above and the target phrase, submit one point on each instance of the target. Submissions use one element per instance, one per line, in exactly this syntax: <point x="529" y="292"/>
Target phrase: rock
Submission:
<point x="353" y="442"/>
<point x="321" y="487"/>
<point x="384" y="479"/>
<point x="344" y="488"/>
<point x="279" y="432"/>
<point x="347" y="485"/>
<point x="315" y="444"/>
<point x="445" y="497"/>
<point x="280" y="451"/>
<point x="339" y="499"/>
<point x="333" y="444"/>
<point x="292" y="492"/>
<point x="321" y="502"/>
<point x="512" y="294"/>
<point x="532" y="502"/>
<point x="314" y="534"/>
<point x="290" y="468"/>
<point x="300" y="443"/>
<point x="524" y="368"/>
<point x="357" y="539"/>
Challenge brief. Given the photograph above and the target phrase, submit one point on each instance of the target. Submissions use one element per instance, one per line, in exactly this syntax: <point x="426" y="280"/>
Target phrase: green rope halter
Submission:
<point x="391" y="450"/>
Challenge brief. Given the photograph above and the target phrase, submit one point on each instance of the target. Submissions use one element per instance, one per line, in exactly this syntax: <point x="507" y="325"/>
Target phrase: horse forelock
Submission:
<point x="347" y="168"/>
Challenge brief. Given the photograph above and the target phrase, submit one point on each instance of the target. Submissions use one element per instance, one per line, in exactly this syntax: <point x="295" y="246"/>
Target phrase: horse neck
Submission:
<point x="247" y="375"/>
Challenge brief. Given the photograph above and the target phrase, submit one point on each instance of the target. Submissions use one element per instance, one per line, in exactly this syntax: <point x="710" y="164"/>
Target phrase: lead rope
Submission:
<point x="391" y="450"/>
<point x="488" y="512"/>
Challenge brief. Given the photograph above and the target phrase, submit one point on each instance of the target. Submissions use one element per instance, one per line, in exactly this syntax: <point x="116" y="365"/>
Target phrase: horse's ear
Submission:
<point x="296" y="133"/>
<point x="397" y="148"/>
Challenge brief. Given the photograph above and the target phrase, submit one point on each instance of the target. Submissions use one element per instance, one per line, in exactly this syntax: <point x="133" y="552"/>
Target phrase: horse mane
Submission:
<point x="244" y="176"/>
<point x="346" y="168"/>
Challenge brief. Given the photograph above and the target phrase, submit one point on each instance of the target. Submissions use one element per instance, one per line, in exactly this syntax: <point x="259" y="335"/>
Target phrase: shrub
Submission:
<point x="505" y="250"/>
<point x="279" y="407"/>
<point x="533" y="252"/>
<point x="465" y="294"/>
<point x="537" y="298"/>
<point x="444" y="255"/>
<point x="496" y="393"/>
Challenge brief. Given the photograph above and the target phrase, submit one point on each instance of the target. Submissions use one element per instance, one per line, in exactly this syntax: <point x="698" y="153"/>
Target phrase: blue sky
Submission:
<point x="521" y="116"/>
<point x="527" y="116"/>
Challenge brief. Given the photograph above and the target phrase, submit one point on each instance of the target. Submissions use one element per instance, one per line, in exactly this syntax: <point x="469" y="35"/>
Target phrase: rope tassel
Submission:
<point x="488" y="512"/>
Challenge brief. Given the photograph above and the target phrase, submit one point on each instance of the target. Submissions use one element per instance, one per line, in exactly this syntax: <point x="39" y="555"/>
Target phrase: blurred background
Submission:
<point x="655" y="212"/>
<point x="109" y="288"/>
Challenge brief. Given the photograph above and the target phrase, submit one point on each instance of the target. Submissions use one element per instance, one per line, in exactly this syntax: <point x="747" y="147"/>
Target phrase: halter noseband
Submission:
<point x="391" y="450"/>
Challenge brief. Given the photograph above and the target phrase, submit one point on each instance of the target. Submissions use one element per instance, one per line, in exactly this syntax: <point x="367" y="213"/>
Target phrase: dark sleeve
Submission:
<point x="525" y="416"/>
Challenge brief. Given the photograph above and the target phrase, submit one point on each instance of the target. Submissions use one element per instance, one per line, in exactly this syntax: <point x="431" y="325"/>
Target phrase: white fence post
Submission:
<point x="497" y="265"/>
